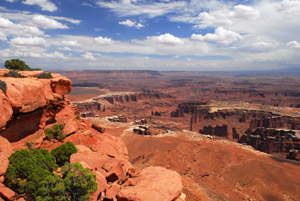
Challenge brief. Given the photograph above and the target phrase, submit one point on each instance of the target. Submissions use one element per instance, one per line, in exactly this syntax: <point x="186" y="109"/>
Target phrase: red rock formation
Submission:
<point x="36" y="104"/>
<point x="165" y="183"/>
<point x="5" y="110"/>
<point x="30" y="104"/>
<point x="5" y="152"/>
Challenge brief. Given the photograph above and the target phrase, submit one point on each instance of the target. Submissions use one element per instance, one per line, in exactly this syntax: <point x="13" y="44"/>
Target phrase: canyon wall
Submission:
<point x="264" y="130"/>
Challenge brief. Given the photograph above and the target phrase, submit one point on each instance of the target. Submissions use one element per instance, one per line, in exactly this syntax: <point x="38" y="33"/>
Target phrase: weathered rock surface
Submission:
<point x="30" y="104"/>
<point x="165" y="183"/>
<point x="27" y="95"/>
<point x="7" y="193"/>
<point x="5" y="152"/>
<point x="61" y="85"/>
<point x="5" y="109"/>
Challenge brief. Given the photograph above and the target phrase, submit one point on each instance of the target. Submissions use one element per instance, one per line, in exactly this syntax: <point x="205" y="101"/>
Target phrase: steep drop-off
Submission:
<point x="29" y="106"/>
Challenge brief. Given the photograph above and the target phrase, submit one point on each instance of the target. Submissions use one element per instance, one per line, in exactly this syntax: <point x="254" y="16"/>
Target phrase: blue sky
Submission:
<point x="151" y="34"/>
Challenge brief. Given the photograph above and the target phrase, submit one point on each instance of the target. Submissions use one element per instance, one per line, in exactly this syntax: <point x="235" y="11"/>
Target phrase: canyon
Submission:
<point x="150" y="135"/>
<point x="30" y="105"/>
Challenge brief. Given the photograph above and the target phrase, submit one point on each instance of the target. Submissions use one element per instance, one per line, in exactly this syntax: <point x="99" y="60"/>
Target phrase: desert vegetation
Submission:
<point x="16" y="64"/>
<point x="3" y="86"/>
<point x="13" y="73"/>
<point x="44" y="75"/>
<point x="55" y="132"/>
<point x="35" y="174"/>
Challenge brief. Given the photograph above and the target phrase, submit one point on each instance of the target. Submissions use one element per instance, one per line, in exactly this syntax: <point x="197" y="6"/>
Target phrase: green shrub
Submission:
<point x="78" y="116"/>
<point x="44" y="75"/>
<point x="13" y="73"/>
<point x="63" y="153"/>
<point x="3" y="86"/>
<point x="31" y="173"/>
<point x="55" y="132"/>
<point x="79" y="182"/>
<point x="16" y="64"/>
<point x="27" y="168"/>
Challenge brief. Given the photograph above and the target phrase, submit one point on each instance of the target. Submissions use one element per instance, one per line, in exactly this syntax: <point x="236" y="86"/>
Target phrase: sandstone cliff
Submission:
<point x="29" y="105"/>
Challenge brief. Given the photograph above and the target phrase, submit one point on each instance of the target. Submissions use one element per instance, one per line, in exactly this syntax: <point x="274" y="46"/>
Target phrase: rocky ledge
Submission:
<point x="30" y="105"/>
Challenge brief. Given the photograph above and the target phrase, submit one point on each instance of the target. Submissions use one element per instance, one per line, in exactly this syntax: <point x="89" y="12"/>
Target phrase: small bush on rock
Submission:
<point x="13" y="73"/>
<point x="63" y="153"/>
<point x="55" y="132"/>
<point x="44" y="75"/>
<point x="3" y="86"/>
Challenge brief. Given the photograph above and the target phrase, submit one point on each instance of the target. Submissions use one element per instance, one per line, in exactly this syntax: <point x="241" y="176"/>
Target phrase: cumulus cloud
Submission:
<point x="222" y="17"/>
<point x="89" y="56"/>
<point x="293" y="44"/>
<point x="29" y="41"/>
<point x="130" y="23"/>
<point x="245" y="12"/>
<point x="221" y="35"/>
<point x="10" y="28"/>
<point x="103" y="40"/>
<point x="46" y="5"/>
<point x="166" y="39"/>
<point x="47" y="23"/>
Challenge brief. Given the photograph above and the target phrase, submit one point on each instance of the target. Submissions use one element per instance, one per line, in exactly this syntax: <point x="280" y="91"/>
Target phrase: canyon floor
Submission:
<point x="160" y="115"/>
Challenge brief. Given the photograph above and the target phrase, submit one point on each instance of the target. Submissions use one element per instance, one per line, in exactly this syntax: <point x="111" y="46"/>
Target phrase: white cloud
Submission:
<point x="134" y="8"/>
<point x="221" y="35"/>
<point x="11" y="1"/>
<point x="46" y="5"/>
<point x="103" y="40"/>
<point x="47" y="23"/>
<point x="5" y="23"/>
<point x="130" y="23"/>
<point x="9" y="28"/>
<point x="55" y="55"/>
<point x="293" y="44"/>
<point x="167" y="39"/>
<point x="88" y="56"/>
<point x="263" y="45"/>
<point x="30" y="41"/>
<point x="245" y="12"/>
<point x="65" y="48"/>
<point x="291" y="7"/>
<point x="70" y="43"/>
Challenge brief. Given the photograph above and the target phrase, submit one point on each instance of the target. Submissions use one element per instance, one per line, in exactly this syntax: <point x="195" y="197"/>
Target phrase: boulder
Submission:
<point x="101" y="185"/>
<point x="98" y="126"/>
<point x="153" y="184"/>
<point x="7" y="193"/>
<point x="65" y="115"/>
<point x="113" y="169"/>
<point x="61" y="85"/>
<point x="26" y="95"/>
<point x="5" y="109"/>
<point x="70" y="127"/>
<point x="111" y="146"/>
<point x="112" y="191"/>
